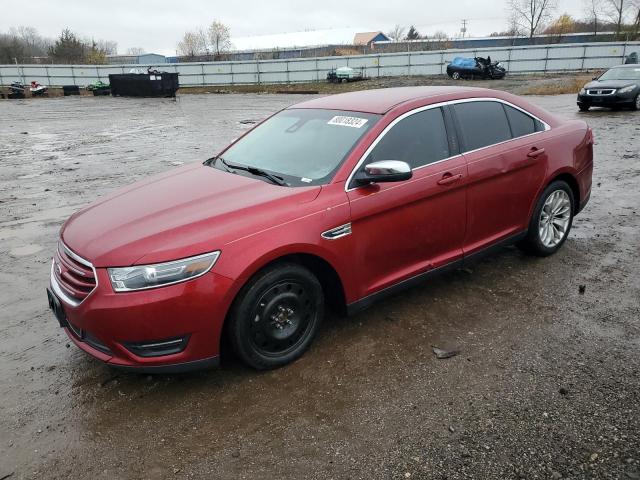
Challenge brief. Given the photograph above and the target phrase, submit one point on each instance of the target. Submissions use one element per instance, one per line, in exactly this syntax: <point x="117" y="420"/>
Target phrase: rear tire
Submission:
<point x="276" y="316"/>
<point x="551" y="220"/>
<point x="455" y="75"/>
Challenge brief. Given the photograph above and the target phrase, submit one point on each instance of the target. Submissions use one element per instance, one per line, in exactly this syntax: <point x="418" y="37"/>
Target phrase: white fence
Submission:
<point x="530" y="59"/>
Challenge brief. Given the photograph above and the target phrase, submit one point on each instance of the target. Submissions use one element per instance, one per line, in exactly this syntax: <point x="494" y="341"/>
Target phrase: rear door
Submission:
<point x="504" y="148"/>
<point x="405" y="228"/>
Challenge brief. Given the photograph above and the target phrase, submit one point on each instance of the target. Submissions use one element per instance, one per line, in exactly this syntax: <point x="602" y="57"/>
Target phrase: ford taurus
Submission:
<point x="339" y="200"/>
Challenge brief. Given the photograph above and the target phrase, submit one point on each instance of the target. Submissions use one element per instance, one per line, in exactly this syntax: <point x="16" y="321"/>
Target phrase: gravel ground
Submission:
<point x="546" y="384"/>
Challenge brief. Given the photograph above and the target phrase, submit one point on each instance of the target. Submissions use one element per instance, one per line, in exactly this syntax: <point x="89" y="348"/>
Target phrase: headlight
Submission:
<point x="583" y="91"/>
<point x="627" y="89"/>
<point x="142" y="277"/>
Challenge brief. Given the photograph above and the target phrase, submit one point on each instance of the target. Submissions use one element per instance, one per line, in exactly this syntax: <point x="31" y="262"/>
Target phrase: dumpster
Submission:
<point x="150" y="84"/>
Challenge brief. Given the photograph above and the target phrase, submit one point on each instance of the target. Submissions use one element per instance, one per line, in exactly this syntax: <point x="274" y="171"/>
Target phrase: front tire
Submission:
<point x="551" y="220"/>
<point x="276" y="316"/>
<point x="636" y="104"/>
<point x="455" y="75"/>
<point x="584" y="108"/>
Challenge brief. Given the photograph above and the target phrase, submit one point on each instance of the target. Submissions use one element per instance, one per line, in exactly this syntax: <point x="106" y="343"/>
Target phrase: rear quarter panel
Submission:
<point x="570" y="150"/>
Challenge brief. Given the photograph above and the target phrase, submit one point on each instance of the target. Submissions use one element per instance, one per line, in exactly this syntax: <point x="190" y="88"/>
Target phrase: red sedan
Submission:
<point x="339" y="200"/>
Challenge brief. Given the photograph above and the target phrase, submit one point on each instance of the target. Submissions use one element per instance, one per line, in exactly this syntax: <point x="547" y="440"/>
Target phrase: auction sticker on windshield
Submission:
<point x="345" y="121"/>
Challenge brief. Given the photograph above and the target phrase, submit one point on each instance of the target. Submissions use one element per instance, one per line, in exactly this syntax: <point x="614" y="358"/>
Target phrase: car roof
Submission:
<point x="382" y="100"/>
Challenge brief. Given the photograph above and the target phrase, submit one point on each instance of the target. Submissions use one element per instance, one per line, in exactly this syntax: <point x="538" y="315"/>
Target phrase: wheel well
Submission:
<point x="573" y="184"/>
<point x="324" y="272"/>
<point x="326" y="275"/>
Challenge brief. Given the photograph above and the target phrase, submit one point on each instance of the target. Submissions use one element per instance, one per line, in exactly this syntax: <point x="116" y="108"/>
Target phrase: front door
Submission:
<point x="403" y="229"/>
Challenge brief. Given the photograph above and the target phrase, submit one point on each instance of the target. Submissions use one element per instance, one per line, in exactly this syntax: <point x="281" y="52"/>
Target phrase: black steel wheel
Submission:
<point x="276" y="316"/>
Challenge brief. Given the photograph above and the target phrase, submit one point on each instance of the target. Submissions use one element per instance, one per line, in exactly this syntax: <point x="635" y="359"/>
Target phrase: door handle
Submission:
<point x="535" y="152"/>
<point x="448" y="179"/>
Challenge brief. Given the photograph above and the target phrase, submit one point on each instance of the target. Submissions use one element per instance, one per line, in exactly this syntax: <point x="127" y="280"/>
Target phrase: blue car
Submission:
<point x="473" y="68"/>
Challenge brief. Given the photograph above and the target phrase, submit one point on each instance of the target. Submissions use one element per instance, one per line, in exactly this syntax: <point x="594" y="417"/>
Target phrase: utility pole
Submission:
<point x="463" y="30"/>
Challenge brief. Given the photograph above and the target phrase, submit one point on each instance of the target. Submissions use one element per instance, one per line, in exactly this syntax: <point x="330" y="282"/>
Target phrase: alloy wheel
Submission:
<point x="554" y="218"/>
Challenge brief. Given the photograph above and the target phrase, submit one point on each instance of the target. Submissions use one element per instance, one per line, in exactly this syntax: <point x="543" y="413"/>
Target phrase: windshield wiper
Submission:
<point x="255" y="171"/>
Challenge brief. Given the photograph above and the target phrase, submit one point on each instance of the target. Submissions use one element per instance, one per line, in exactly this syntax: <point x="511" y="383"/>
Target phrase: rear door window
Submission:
<point x="482" y="124"/>
<point x="521" y="123"/>
<point x="419" y="139"/>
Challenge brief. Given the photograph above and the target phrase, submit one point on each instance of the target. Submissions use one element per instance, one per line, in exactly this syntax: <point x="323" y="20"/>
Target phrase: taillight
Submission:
<point x="590" y="140"/>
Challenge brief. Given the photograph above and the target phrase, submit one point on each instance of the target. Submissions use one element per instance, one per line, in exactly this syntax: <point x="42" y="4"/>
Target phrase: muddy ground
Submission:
<point x="546" y="384"/>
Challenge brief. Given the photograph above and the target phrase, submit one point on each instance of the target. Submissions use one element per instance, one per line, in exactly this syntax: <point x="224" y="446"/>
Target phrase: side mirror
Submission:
<point x="384" y="171"/>
<point x="595" y="78"/>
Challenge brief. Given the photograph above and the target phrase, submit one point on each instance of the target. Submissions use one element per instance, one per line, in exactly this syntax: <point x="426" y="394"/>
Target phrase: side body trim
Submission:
<point x="337" y="232"/>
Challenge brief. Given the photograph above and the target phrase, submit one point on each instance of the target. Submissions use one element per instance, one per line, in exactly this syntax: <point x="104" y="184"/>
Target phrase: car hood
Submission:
<point x="183" y="212"/>
<point x="609" y="84"/>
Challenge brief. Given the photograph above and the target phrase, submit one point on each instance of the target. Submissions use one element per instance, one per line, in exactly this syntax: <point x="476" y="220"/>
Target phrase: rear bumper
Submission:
<point x="131" y="330"/>
<point x="583" y="202"/>
<point x="585" y="180"/>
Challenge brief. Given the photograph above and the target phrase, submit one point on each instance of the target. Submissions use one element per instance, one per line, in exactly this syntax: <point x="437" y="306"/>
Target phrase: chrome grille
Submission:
<point x="74" y="275"/>
<point x="601" y="91"/>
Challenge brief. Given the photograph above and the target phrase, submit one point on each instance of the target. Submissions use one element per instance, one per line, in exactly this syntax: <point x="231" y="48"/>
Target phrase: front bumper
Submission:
<point x="609" y="101"/>
<point x="107" y="325"/>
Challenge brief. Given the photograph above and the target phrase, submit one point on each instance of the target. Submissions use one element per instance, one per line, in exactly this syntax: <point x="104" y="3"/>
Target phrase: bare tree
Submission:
<point x="219" y="37"/>
<point x="593" y="9"/>
<point x="109" y="47"/>
<point x="636" y="22"/>
<point x="30" y="39"/>
<point x="135" y="51"/>
<point x="397" y="33"/>
<point x="32" y="44"/>
<point x="192" y="44"/>
<point x="531" y="14"/>
<point x="616" y="10"/>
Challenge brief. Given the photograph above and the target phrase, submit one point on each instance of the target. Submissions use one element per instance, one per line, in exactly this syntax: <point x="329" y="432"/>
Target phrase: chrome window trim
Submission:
<point x="55" y="286"/>
<point x="438" y="105"/>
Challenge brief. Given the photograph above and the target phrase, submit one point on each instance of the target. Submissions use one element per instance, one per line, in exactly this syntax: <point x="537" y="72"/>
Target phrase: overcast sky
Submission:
<point x="158" y="25"/>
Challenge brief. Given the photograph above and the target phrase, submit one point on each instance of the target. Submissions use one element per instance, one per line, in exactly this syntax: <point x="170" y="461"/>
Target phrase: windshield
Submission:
<point x="303" y="146"/>
<point x="621" y="74"/>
